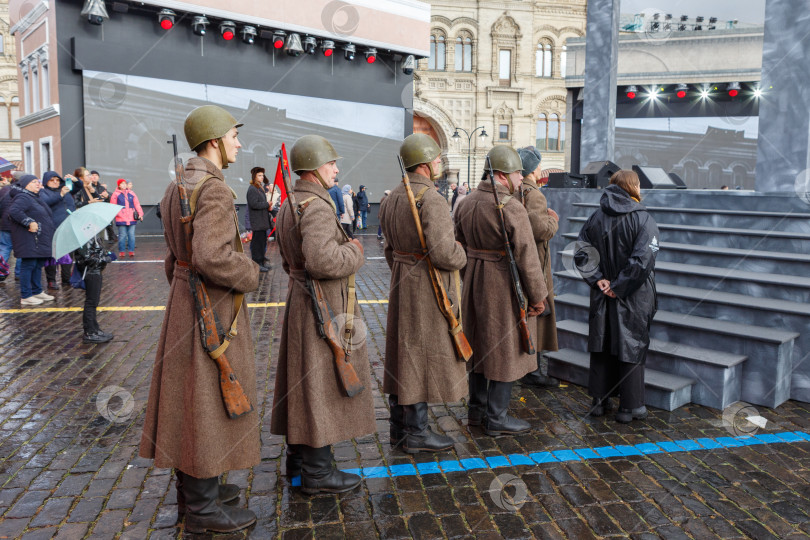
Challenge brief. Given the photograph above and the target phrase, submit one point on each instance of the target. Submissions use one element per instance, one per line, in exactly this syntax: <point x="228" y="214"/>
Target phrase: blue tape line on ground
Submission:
<point x="577" y="454"/>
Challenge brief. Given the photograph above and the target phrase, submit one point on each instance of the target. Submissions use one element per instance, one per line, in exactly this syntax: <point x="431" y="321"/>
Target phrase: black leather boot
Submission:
<point x="537" y="379"/>
<point x="418" y="435"/>
<point x="625" y="416"/>
<point x="203" y="511"/>
<point x="498" y="421"/>
<point x="477" y="402"/>
<point x="319" y="474"/>
<point x="227" y="494"/>
<point x="397" y="421"/>
<point x="294" y="460"/>
<point x="600" y="406"/>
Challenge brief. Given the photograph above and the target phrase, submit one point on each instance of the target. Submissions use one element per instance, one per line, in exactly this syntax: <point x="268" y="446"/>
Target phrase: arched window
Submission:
<point x="15" y="115"/>
<point x="690" y="174"/>
<point x="553" y="132"/>
<point x="542" y="132"/>
<point x="463" y="53"/>
<point x="561" y="145"/>
<point x="739" y="175"/>
<point x="715" y="176"/>
<point x="542" y="60"/>
<point x="437" y="60"/>
<point x="5" y="120"/>
<point x="563" y="54"/>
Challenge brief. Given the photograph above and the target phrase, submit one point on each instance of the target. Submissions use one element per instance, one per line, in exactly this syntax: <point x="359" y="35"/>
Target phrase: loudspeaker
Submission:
<point x="599" y="173"/>
<point x="679" y="183"/>
<point x="654" y="178"/>
<point x="567" y="180"/>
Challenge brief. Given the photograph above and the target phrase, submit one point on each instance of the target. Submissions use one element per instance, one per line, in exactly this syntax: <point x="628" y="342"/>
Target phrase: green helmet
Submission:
<point x="310" y="152"/>
<point x="418" y="148"/>
<point x="504" y="159"/>
<point x="207" y="123"/>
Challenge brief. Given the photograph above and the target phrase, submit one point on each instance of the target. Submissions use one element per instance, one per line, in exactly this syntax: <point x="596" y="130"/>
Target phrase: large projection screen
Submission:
<point x="129" y="119"/>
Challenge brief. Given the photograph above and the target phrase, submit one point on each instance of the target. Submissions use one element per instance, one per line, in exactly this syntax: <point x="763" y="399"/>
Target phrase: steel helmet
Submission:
<point x="207" y="123"/>
<point x="418" y="148"/>
<point x="310" y="152"/>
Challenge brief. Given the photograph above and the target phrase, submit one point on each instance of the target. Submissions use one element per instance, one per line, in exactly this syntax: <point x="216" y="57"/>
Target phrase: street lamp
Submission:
<point x="457" y="138"/>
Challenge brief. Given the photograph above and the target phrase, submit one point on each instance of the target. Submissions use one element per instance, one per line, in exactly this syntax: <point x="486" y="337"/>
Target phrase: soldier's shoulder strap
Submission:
<point x="195" y="193"/>
<point x="505" y="200"/>
<point x="418" y="197"/>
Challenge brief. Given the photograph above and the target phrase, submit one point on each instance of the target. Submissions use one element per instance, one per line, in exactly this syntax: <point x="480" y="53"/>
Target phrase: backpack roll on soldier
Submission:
<point x="544" y="227"/>
<point x="322" y="395"/>
<point x="422" y="363"/>
<point x="187" y="425"/>
<point x="502" y="332"/>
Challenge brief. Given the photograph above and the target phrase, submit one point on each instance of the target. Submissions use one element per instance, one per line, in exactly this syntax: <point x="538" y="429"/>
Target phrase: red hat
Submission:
<point x="121" y="181"/>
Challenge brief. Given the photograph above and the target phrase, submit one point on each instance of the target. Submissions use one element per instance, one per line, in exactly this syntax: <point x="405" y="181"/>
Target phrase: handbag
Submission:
<point x="135" y="215"/>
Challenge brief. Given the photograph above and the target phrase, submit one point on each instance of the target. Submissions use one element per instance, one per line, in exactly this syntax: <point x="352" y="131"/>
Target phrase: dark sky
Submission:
<point x="746" y="11"/>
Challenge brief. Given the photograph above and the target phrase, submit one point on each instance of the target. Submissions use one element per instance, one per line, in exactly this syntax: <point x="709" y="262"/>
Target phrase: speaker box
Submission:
<point x="567" y="180"/>
<point x="654" y="178"/>
<point x="679" y="183"/>
<point x="599" y="172"/>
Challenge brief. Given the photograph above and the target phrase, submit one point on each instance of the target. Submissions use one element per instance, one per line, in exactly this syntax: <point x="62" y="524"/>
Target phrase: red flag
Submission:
<point x="278" y="183"/>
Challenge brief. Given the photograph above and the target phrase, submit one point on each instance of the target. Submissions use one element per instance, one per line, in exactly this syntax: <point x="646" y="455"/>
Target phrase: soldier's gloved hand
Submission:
<point x="357" y="243"/>
<point x="536" y="309"/>
<point x="553" y="214"/>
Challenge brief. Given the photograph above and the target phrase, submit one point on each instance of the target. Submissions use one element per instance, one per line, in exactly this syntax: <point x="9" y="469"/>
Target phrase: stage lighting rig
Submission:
<point x="248" y="34"/>
<point x="278" y="39"/>
<point x="227" y="29"/>
<point x="371" y="55"/>
<point x="681" y="90"/>
<point x="328" y="47"/>
<point x="95" y="11"/>
<point x="199" y="24"/>
<point x="733" y="89"/>
<point x="310" y="45"/>
<point x="409" y="65"/>
<point x="349" y="51"/>
<point x="293" y="46"/>
<point x="166" y="18"/>
<point x="631" y="92"/>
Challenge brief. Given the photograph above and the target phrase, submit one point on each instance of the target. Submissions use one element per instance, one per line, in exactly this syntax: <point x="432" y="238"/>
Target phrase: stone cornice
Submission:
<point x="39" y="116"/>
<point x="30" y="18"/>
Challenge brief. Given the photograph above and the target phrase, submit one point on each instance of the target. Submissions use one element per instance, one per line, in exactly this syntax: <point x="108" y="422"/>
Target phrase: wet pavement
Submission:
<point x="71" y="417"/>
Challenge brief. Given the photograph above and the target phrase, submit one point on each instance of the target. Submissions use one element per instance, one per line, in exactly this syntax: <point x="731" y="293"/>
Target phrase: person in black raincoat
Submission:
<point x="615" y="254"/>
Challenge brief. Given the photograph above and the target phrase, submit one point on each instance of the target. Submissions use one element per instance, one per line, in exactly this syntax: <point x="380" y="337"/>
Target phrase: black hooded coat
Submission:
<point x="619" y="242"/>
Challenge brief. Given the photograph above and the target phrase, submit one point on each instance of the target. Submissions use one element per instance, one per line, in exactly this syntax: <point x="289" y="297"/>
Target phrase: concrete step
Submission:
<point x="773" y="240"/>
<point x="661" y="390"/>
<point x="717" y="375"/>
<point x="766" y="376"/>
<point x="769" y="262"/>
<point x="728" y="218"/>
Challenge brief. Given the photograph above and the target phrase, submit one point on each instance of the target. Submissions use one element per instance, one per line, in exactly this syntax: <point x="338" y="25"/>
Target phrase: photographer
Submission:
<point x="91" y="259"/>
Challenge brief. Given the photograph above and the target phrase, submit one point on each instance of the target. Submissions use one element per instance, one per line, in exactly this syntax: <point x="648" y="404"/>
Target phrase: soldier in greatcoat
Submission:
<point x="186" y="424"/>
<point x="544" y="225"/>
<point x="420" y="360"/>
<point x="310" y="408"/>
<point x="489" y="306"/>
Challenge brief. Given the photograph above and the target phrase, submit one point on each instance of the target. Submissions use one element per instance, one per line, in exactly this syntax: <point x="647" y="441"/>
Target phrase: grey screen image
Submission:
<point x="129" y="119"/>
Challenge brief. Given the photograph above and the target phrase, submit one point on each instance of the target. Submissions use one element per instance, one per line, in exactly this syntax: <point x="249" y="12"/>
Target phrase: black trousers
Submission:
<point x="346" y="227"/>
<point x="92" y="282"/>
<point x="258" y="246"/>
<point x="50" y="272"/>
<point x="610" y="377"/>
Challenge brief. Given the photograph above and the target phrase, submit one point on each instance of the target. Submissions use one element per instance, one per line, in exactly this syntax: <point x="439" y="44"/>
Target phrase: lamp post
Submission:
<point x="457" y="137"/>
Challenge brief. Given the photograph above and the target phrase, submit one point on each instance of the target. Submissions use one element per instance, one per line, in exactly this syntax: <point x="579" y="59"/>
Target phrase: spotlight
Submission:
<point x="328" y="47"/>
<point x="653" y="94"/>
<point x="409" y="65"/>
<point x="293" y="46"/>
<point x="310" y="44"/>
<point x="733" y="89"/>
<point x="704" y="93"/>
<point x="198" y="24"/>
<point x="95" y="11"/>
<point x="757" y="92"/>
<point x="227" y="29"/>
<point x="681" y="90"/>
<point x="248" y="34"/>
<point x="348" y="52"/>
<point x="166" y="18"/>
<point x="371" y="55"/>
<point x="278" y="39"/>
<point x="631" y="92"/>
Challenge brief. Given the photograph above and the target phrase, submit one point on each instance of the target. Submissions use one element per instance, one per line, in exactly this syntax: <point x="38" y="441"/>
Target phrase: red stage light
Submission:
<point x="227" y="35"/>
<point x="733" y="93"/>
<point x="681" y="93"/>
<point x="631" y="95"/>
<point x="278" y="43"/>
<point x="371" y="59"/>
<point x="166" y="24"/>
<point x="328" y="52"/>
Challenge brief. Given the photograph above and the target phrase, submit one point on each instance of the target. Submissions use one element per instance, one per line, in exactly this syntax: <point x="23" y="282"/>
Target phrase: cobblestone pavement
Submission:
<point x="70" y="467"/>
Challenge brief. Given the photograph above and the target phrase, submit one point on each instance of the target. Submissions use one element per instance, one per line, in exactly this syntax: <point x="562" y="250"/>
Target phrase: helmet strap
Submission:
<point x="222" y="153"/>
<point x="320" y="179"/>
<point x="433" y="175"/>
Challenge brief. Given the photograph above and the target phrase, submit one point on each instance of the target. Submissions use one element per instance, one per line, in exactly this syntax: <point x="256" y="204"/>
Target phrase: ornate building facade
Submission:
<point x="9" y="98"/>
<point x="499" y="67"/>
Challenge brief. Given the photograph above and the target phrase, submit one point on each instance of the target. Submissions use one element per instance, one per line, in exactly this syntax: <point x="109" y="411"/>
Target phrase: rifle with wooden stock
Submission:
<point x="349" y="380"/>
<point x="462" y="346"/>
<point x="215" y="341"/>
<point x="517" y="288"/>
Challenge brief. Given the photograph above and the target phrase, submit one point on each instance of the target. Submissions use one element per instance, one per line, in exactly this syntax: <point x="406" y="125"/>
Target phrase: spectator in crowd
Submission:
<point x="59" y="197"/>
<point x="362" y="200"/>
<point x="86" y="195"/>
<point x="6" y="191"/>
<point x="337" y="198"/>
<point x="259" y="211"/>
<point x="615" y="254"/>
<point x="379" y="226"/>
<point x="452" y="194"/>
<point x="91" y="259"/>
<point x="348" y="215"/>
<point x="459" y="195"/>
<point x="127" y="218"/>
<point x="31" y="234"/>
<point x="356" y="207"/>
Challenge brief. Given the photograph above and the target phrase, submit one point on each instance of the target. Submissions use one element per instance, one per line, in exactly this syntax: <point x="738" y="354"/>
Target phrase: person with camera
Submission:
<point x="127" y="218"/>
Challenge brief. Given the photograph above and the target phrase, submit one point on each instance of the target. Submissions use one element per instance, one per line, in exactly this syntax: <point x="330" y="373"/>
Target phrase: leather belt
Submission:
<point x="182" y="270"/>
<point x="491" y="255"/>
<point x="408" y="257"/>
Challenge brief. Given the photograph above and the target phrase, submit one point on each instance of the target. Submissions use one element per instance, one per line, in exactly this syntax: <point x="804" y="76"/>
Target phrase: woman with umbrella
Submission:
<point x="32" y="230"/>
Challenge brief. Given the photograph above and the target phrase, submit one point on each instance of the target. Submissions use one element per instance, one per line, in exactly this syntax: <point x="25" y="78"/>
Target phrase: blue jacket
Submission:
<point x="61" y="207"/>
<point x="25" y="208"/>
<point x="5" y="201"/>
<point x="337" y="197"/>
<point x="362" y="201"/>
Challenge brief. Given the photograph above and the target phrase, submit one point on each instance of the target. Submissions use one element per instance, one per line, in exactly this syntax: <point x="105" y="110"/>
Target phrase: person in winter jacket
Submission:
<point x="458" y="196"/>
<point x="259" y="214"/>
<point x="6" y="195"/>
<point x="91" y="259"/>
<point x="348" y="215"/>
<point x="337" y="198"/>
<point x="59" y="197"/>
<point x="86" y="195"/>
<point x="362" y="201"/>
<point x="31" y="234"/>
<point x="616" y="254"/>
<point x="127" y="218"/>
<point x="379" y="226"/>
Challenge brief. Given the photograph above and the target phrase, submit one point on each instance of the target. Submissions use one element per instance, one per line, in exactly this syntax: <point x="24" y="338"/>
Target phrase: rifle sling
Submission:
<point x="238" y="298"/>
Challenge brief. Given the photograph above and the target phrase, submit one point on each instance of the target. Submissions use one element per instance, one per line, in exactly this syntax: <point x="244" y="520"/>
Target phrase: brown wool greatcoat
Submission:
<point x="488" y="303"/>
<point x="420" y="361"/>
<point x="544" y="227"/>
<point x="309" y="406"/>
<point x="186" y="425"/>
